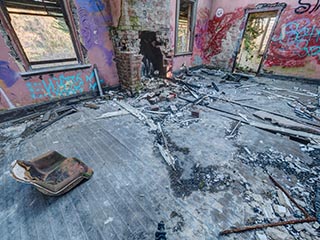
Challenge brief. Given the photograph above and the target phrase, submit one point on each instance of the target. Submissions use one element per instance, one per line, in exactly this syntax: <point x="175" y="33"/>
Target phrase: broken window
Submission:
<point x="42" y="32"/>
<point x="185" y="26"/>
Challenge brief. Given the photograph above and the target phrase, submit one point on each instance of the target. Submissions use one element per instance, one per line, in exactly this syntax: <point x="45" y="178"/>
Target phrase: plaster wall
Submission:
<point x="147" y="15"/>
<point x="294" y="48"/>
<point x="93" y="17"/>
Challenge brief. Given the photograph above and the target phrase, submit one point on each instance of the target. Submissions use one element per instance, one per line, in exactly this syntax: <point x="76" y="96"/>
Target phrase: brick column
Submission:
<point x="129" y="70"/>
<point x="128" y="59"/>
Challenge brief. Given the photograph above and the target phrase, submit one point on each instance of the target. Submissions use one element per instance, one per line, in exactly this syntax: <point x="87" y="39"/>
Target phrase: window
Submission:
<point x="42" y="32"/>
<point x="185" y="26"/>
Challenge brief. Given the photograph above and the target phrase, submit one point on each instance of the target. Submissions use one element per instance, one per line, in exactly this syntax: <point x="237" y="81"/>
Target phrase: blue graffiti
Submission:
<point x="92" y="5"/>
<point x="300" y="37"/>
<point x="93" y="28"/>
<point x="197" y="60"/>
<point x="61" y="86"/>
<point x="7" y="75"/>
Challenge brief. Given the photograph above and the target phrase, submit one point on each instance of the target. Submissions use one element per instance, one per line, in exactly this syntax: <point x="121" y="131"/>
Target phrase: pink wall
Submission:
<point x="95" y="18"/>
<point x="203" y="13"/>
<point x="294" y="48"/>
<point x="295" y="45"/>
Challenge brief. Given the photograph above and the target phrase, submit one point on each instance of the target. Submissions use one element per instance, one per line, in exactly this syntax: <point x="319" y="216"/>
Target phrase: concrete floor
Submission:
<point x="217" y="185"/>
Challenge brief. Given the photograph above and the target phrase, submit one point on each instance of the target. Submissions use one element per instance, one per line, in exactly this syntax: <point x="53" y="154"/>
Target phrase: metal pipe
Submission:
<point x="306" y="214"/>
<point x="97" y="80"/>
<point x="261" y="226"/>
<point x="10" y="104"/>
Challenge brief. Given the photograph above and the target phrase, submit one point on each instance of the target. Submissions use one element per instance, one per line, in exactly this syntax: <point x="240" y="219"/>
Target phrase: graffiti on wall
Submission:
<point x="61" y="86"/>
<point x="306" y="7"/>
<point x="271" y="5"/>
<point x="95" y="17"/>
<point x="218" y="28"/>
<point x="8" y="77"/>
<point x="299" y="38"/>
<point x="296" y="41"/>
<point x="92" y="5"/>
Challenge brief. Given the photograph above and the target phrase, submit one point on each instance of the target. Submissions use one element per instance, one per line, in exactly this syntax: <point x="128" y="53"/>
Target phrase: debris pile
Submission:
<point x="194" y="101"/>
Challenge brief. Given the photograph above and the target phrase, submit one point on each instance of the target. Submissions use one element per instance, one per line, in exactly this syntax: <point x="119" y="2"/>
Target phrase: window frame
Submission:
<point x="16" y="44"/>
<point x="192" y="27"/>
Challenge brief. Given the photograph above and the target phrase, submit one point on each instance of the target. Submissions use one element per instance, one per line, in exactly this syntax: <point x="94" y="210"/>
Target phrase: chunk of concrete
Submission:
<point x="261" y="236"/>
<point x="276" y="234"/>
<point x="280" y="210"/>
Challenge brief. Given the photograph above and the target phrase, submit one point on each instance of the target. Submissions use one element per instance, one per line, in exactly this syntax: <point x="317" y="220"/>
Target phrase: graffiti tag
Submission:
<point x="93" y="27"/>
<point x="300" y="37"/>
<point x="271" y="5"/>
<point x="305" y="7"/>
<point x="61" y="86"/>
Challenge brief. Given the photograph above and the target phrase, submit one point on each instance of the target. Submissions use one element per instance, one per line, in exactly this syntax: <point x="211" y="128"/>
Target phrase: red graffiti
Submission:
<point x="295" y="40"/>
<point x="217" y="29"/>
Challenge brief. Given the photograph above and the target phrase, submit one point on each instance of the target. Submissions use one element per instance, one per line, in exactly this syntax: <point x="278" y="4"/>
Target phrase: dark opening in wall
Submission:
<point x="152" y="55"/>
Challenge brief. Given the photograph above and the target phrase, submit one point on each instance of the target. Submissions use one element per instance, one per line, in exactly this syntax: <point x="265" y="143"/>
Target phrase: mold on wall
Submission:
<point x="147" y="15"/>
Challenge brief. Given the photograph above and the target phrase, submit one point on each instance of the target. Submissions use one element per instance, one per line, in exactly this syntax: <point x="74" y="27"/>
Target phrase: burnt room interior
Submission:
<point x="164" y="120"/>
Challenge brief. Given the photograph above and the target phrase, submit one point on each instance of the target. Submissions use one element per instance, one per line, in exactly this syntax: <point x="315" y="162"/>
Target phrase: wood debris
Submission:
<point x="113" y="114"/>
<point x="166" y="156"/>
<point x="91" y="105"/>
<point x="284" y="122"/>
<point x="138" y="114"/>
<point x="307" y="218"/>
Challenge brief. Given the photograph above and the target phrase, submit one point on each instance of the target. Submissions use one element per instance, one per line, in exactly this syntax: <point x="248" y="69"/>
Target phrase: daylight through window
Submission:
<point x="42" y="32"/>
<point x="185" y="26"/>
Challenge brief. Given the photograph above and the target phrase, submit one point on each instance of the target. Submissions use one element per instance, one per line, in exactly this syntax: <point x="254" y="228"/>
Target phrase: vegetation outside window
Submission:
<point x="185" y="24"/>
<point x="42" y="31"/>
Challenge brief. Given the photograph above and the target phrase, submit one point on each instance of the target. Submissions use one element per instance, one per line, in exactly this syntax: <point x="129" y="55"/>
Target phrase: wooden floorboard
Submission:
<point x="121" y="201"/>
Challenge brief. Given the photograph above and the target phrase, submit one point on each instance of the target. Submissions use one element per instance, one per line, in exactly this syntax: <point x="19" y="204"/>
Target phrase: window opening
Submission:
<point x="185" y="26"/>
<point x="43" y="31"/>
<point x="257" y="33"/>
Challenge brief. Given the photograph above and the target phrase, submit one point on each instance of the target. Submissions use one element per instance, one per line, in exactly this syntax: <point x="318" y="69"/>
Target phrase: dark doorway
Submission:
<point x="259" y="28"/>
<point x="152" y="56"/>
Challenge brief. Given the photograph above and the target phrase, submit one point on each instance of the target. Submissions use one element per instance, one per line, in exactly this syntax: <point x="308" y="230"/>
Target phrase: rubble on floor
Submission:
<point x="220" y="136"/>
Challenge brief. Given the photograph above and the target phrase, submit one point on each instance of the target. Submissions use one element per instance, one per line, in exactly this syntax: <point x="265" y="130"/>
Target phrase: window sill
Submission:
<point x="54" y="70"/>
<point x="183" y="54"/>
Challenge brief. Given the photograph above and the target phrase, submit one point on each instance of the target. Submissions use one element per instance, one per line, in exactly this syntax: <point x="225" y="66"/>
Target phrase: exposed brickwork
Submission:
<point x="129" y="70"/>
<point x="128" y="59"/>
<point x="137" y="16"/>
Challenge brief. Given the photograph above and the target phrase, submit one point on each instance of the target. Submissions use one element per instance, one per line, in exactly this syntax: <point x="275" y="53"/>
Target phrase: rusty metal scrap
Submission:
<point x="261" y="226"/>
<point x="306" y="214"/>
<point x="317" y="202"/>
<point x="307" y="218"/>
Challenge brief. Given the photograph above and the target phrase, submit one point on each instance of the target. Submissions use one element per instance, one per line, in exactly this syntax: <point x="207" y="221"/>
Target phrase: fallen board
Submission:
<point x="285" y="131"/>
<point x="113" y="114"/>
<point x="137" y="114"/>
<point x="285" y="122"/>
